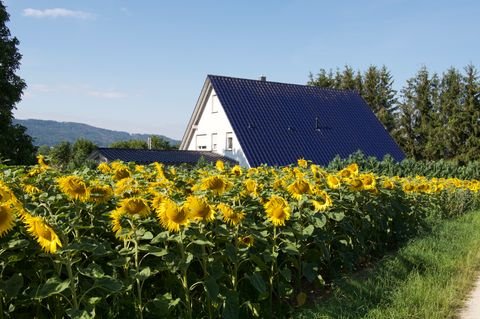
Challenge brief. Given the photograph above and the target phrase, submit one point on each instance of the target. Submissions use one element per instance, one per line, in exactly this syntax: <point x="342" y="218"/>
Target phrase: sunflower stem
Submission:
<point x="68" y="266"/>
<point x="184" y="278"/>
<point x="137" y="271"/>
<point x="273" y="268"/>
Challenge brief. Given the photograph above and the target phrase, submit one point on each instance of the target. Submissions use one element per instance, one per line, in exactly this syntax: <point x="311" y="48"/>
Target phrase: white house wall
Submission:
<point x="213" y="125"/>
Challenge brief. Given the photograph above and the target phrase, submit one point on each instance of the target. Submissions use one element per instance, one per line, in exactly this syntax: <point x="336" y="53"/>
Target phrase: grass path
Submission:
<point x="428" y="278"/>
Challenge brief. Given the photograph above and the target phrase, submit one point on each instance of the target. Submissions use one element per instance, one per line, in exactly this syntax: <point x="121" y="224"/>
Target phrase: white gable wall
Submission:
<point x="215" y="133"/>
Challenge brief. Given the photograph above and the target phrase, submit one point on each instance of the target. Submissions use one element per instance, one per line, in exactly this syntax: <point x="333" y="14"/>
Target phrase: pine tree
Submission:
<point x="471" y="86"/>
<point x="15" y="145"/>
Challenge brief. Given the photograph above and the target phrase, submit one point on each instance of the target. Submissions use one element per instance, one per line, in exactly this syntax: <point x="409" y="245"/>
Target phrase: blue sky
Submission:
<point x="139" y="66"/>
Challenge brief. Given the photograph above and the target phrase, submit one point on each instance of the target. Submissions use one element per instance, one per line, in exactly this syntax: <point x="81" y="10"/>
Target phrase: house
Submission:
<point x="258" y="122"/>
<point x="168" y="157"/>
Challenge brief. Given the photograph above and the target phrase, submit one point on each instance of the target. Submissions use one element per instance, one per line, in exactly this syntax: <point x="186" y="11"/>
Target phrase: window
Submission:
<point x="201" y="141"/>
<point x="215" y="103"/>
<point x="214" y="141"/>
<point x="229" y="141"/>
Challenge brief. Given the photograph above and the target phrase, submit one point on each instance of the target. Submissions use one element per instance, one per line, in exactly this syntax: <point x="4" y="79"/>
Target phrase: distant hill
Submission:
<point x="51" y="133"/>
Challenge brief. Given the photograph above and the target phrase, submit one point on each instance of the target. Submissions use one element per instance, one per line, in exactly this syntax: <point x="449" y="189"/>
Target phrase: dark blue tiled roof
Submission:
<point x="169" y="157"/>
<point x="278" y="123"/>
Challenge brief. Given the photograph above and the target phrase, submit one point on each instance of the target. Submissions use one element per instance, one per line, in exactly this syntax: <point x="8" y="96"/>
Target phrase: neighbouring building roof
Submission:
<point x="168" y="157"/>
<point x="278" y="123"/>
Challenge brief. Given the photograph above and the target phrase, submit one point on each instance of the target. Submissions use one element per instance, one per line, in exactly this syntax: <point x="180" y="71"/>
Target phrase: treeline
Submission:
<point x="66" y="155"/>
<point x="432" y="117"/>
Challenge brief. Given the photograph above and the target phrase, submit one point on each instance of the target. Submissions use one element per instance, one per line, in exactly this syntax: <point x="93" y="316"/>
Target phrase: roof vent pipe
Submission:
<point x="263" y="78"/>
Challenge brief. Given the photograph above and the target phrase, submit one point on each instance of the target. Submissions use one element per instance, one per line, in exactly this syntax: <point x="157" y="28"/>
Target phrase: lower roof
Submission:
<point x="169" y="157"/>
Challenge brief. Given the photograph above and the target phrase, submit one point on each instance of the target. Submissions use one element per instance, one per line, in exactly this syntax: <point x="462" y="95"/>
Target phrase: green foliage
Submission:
<point x="409" y="167"/>
<point x="15" y="145"/>
<point x="156" y="143"/>
<point x="68" y="156"/>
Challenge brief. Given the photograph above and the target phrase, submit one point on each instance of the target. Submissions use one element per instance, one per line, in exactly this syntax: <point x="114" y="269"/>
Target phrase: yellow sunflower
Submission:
<point x="7" y="218"/>
<point x="369" y="181"/>
<point x="116" y="217"/>
<point x="220" y="165"/>
<point x="135" y="206"/>
<point x="278" y="210"/>
<point x="45" y="235"/>
<point x="236" y="170"/>
<point x="41" y="162"/>
<point x="104" y="168"/>
<point x="302" y="163"/>
<point x="355" y="184"/>
<point x="388" y="184"/>
<point x="100" y="193"/>
<point x="353" y="168"/>
<point x="74" y="187"/>
<point x="333" y="182"/>
<point x="251" y="187"/>
<point x="345" y="173"/>
<point x="298" y="188"/>
<point x="172" y="215"/>
<point x="31" y="189"/>
<point x="158" y="200"/>
<point x="246" y="240"/>
<point x="230" y="216"/>
<point x="5" y="193"/>
<point x="198" y="208"/>
<point x="322" y="202"/>
<point x="126" y="186"/>
<point x="217" y="184"/>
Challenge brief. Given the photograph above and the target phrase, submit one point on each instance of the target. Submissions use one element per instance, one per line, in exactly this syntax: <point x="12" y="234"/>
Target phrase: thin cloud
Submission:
<point x="108" y="94"/>
<point x="57" y="13"/>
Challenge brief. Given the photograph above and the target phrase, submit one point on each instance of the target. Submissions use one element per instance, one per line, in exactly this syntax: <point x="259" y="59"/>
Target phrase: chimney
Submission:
<point x="263" y="78"/>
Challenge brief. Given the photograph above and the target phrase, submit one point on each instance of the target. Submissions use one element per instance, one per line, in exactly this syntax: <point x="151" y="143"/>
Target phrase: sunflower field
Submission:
<point x="126" y="241"/>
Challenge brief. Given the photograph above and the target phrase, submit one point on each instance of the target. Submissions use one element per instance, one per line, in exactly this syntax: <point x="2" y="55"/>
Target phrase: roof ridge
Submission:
<point x="283" y="83"/>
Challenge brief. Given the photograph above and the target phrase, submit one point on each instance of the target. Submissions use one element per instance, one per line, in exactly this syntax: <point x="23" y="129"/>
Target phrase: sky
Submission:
<point x="139" y="66"/>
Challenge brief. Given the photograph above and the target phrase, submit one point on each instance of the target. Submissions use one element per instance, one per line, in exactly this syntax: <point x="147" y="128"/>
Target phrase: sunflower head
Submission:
<point x="5" y="193"/>
<point x="7" y="218"/>
<point x="135" y="206"/>
<point x="230" y="216"/>
<point x="45" y="235"/>
<point x="388" y="184"/>
<point x="220" y="165"/>
<point x="74" y="187"/>
<point x="172" y="215"/>
<point x="198" y="208"/>
<point x="302" y="163"/>
<point x="369" y="181"/>
<point x="100" y="193"/>
<point x="104" y="168"/>
<point x="298" y="188"/>
<point x="322" y="201"/>
<point x="246" y="240"/>
<point x="251" y="187"/>
<point x="41" y="162"/>
<point x="278" y="210"/>
<point x="236" y="170"/>
<point x="353" y="168"/>
<point x="216" y="184"/>
<point x="355" y="184"/>
<point x="333" y="182"/>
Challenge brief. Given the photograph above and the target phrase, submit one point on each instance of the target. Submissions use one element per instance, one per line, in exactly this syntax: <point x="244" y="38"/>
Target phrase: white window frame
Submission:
<point x="214" y="103"/>
<point x="229" y="141"/>
<point x="202" y="146"/>
<point x="214" y="141"/>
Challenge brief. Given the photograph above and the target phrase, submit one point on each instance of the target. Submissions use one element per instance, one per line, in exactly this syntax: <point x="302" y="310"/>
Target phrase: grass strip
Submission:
<point x="430" y="277"/>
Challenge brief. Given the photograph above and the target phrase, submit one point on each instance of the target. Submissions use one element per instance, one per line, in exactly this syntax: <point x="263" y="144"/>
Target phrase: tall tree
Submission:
<point x="471" y="86"/>
<point x="417" y="114"/>
<point x="15" y="145"/>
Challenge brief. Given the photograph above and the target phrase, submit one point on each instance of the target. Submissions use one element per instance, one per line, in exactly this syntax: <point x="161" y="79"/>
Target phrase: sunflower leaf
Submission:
<point x="52" y="286"/>
<point x="203" y="243"/>
<point x="258" y="283"/>
<point x="13" y="285"/>
<point x="230" y="310"/>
